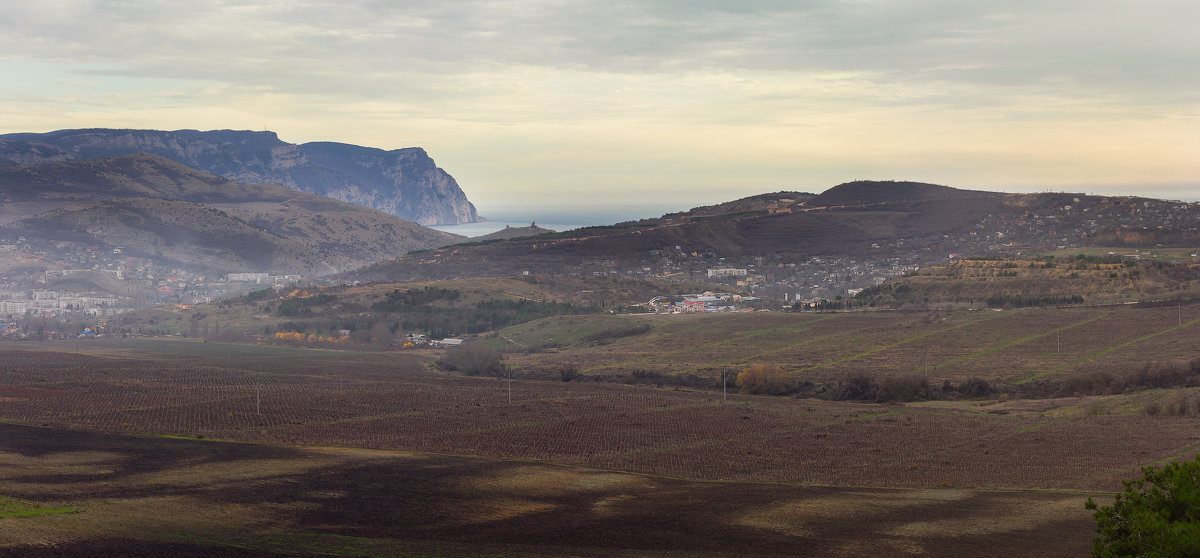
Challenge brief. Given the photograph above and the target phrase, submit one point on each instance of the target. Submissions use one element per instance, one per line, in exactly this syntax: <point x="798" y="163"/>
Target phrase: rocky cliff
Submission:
<point x="402" y="182"/>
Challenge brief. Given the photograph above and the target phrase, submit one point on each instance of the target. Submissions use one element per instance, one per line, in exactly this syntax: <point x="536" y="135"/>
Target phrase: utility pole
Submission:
<point x="724" y="395"/>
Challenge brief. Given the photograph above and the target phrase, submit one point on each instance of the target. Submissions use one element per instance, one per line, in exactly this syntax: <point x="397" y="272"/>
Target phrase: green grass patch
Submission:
<point x="899" y="343"/>
<point x="869" y="416"/>
<point x="1108" y="350"/>
<point x="1019" y="341"/>
<point x="307" y="544"/>
<point x="12" y="507"/>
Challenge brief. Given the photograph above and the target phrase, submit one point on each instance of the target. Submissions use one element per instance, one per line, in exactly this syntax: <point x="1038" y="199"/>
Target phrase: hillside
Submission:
<point x="1046" y="281"/>
<point x="146" y="206"/>
<point x="869" y="192"/>
<point x="509" y="232"/>
<point x="184" y="233"/>
<point x="759" y="203"/>
<point x="850" y="236"/>
<point x="443" y="308"/>
<point x="402" y="182"/>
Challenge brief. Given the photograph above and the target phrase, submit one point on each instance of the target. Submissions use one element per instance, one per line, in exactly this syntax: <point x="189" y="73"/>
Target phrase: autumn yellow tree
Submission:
<point x="761" y="378"/>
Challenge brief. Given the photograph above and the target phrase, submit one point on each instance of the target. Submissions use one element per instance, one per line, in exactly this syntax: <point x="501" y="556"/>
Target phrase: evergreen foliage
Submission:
<point x="1021" y="301"/>
<point x="1158" y="515"/>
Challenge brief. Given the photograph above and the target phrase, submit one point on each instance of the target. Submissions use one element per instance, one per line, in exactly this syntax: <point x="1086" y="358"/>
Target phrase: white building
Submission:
<point x="726" y="272"/>
<point x="256" y="277"/>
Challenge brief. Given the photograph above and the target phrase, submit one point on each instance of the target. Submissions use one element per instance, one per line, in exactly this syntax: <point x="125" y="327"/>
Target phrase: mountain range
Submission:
<point x="57" y="215"/>
<point x="402" y="182"/>
<point x="147" y="206"/>
<point x="864" y="224"/>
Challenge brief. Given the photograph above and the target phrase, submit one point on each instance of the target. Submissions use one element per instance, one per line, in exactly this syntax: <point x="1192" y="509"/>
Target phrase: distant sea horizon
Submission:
<point x="488" y="227"/>
<point x="558" y="223"/>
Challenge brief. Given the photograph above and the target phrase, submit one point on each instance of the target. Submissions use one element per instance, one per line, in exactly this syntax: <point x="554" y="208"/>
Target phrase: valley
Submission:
<point x="596" y="433"/>
<point x="884" y="368"/>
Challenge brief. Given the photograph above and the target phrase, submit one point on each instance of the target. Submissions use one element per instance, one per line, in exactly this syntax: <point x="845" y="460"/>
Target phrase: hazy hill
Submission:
<point x="863" y="221"/>
<point x="868" y="192"/>
<point x="761" y="202"/>
<point x="152" y="207"/>
<point x="442" y="308"/>
<point x="509" y="232"/>
<point x="403" y="182"/>
<point x="1049" y="281"/>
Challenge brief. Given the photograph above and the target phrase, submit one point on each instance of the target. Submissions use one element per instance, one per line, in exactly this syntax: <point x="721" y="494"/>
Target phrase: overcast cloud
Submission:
<point x="674" y="103"/>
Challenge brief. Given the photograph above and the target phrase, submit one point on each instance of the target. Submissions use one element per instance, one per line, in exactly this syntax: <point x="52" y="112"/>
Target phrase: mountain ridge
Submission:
<point x="403" y="182"/>
<point x="872" y="229"/>
<point x="150" y="206"/>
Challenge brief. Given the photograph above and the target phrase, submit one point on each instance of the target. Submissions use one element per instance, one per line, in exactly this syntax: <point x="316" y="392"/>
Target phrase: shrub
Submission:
<point x="1157" y="515"/>
<point x="975" y="387"/>
<point x="857" y="386"/>
<point x="261" y="294"/>
<point x="473" y="359"/>
<point x="764" y="379"/>
<point x="903" y="388"/>
<point x="606" y="336"/>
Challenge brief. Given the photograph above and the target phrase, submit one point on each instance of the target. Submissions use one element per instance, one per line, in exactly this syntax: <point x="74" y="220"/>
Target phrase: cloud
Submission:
<point x="338" y="46"/>
<point x="701" y="95"/>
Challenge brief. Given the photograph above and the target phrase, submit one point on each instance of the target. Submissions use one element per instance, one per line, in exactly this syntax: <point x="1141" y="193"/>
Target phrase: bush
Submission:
<point x="858" y="386"/>
<point x="608" y="335"/>
<point x="763" y="379"/>
<point x="1157" y="515"/>
<point x="975" y="387"/>
<point x="904" y="387"/>
<point x="473" y="359"/>
<point x="261" y="294"/>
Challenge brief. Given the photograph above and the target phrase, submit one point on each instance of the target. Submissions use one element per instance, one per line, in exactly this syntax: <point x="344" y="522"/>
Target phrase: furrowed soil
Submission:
<point x="153" y="496"/>
<point x="1000" y="346"/>
<point x="378" y="454"/>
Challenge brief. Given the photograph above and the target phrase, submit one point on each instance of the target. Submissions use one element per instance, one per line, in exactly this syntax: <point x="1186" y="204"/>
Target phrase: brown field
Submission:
<point x="381" y="402"/>
<point x="1010" y="346"/>
<point x="422" y="462"/>
<point x="121" y="495"/>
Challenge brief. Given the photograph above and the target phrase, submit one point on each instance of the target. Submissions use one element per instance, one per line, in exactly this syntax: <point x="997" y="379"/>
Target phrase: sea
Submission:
<point x="488" y="227"/>
<point x="555" y="222"/>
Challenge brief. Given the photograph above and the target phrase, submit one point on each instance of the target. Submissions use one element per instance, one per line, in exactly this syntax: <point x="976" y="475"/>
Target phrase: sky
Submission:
<point x="555" y="107"/>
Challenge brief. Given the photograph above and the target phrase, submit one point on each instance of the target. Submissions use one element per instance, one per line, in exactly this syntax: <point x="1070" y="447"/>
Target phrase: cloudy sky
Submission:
<point x="535" y="105"/>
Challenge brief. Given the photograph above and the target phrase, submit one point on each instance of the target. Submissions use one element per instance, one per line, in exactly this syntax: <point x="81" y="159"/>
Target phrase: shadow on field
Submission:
<point x="350" y="502"/>
<point x="133" y="548"/>
<point x="122" y="457"/>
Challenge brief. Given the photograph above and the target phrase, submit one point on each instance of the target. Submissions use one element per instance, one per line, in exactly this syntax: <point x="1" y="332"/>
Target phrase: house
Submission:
<point x="727" y="272"/>
<point x="449" y="342"/>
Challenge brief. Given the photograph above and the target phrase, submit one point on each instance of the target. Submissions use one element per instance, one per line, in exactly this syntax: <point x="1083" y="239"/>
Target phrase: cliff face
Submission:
<point x="402" y="182"/>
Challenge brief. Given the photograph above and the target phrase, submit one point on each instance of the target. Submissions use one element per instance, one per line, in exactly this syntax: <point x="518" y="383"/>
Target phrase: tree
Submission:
<point x="1158" y="515"/>
<point x="761" y="378"/>
<point x="473" y="359"/>
<point x="381" y="335"/>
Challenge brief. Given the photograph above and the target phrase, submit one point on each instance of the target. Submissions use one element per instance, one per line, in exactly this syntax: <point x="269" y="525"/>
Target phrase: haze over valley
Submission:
<point x="556" y="279"/>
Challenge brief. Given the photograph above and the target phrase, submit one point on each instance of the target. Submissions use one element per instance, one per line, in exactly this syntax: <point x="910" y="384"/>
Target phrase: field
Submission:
<point x="1007" y="347"/>
<point x="285" y="451"/>
<point x="150" y="496"/>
